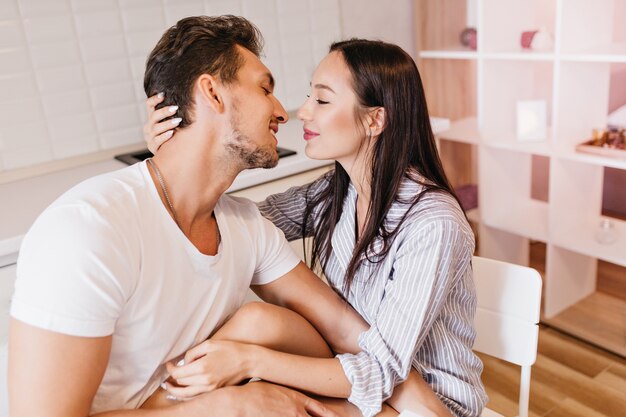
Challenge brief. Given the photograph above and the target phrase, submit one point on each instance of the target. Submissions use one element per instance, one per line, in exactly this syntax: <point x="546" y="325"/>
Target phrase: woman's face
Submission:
<point x="331" y="130"/>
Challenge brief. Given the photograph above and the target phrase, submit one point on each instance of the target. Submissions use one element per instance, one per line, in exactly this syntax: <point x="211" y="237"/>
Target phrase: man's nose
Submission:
<point x="280" y="112"/>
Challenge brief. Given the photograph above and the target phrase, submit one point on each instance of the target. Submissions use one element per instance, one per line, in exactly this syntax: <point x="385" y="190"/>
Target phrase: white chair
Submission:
<point x="509" y="299"/>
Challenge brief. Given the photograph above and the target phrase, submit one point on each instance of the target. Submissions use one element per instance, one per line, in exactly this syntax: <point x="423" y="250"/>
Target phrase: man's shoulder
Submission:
<point x="101" y="201"/>
<point x="105" y="189"/>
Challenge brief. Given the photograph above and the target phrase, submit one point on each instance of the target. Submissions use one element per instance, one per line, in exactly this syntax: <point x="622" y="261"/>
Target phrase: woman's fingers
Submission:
<point x="183" y="393"/>
<point x="153" y="101"/>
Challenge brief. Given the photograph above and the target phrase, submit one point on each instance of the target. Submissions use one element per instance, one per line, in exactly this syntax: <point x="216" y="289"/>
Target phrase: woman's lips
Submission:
<point x="309" y="134"/>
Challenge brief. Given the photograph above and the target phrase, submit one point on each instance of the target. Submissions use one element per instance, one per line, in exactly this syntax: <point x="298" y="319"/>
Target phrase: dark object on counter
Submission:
<point x="134" y="157"/>
<point x="468" y="38"/>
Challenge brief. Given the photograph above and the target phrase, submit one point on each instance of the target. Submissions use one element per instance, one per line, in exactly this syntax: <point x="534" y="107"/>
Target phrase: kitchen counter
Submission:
<point x="23" y="200"/>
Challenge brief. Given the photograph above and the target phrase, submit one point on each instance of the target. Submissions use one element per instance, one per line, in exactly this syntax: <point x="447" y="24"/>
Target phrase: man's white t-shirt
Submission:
<point x="106" y="258"/>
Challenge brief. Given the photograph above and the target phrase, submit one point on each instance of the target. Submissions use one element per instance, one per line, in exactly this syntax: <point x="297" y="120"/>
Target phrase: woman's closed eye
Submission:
<point x="318" y="101"/>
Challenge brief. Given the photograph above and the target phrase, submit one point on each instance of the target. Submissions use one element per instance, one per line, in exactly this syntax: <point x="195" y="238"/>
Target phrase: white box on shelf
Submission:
<point x="531" y="120"/>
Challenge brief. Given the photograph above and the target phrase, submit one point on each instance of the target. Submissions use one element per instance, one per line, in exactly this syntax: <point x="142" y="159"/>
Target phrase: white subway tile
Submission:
<point x="289" y="7"/>
<point x="24" y="135"/>
<point x="71" y="127"/>
<point x="142" y="43"/>
<point x="27" y="156"/>
<point x="263" y="9"/>
<point x="134" y="4"/>
<point x="322" y="40"/>
<point x="107" y="72"/>
<point x="272" y="48"/>
<point x="267" y="25"/>
<point x="36" y="8"/>
<point x="175" y="11"/>
<point x="73" y="135"/>
<point x="93" y="5"/>
<point x="49" y="29"/>
<point x="138" y="67"/>
<point x="110" y="95"/>
<point x="103" y="49"/>
<point x="117" y="118"/>
<point x="65" y="104"/>
<point x="219" y="7"/>
<point x="11" y="34"/>
<point x="324" y="5"/>
<point x="121" y="137"/>
<point x="59" y="80"/>
<point x="295" y="45"/>
<point x="325" y="21"/>
<point x="103" y="23"/>
<point x="55" y="55"/>
<point x="143" y="19"/>
<point x="142" y="112"/>
<point x="20" y="111"/>
<point x="294" y="25"/>
<point x="14" y="60"/>
<point x="17" y="86"/>
<point x="140" y="93"/>
<point x="9" y="10"/>
<point x="66" y="148"/>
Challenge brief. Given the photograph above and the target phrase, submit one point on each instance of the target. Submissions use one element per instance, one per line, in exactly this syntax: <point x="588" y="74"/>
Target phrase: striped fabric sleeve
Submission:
<point x="286" y="210"/>
<point x="424" y="269"/>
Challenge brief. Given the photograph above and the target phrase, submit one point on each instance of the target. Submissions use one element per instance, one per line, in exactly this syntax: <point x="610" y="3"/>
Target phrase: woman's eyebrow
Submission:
<point x="324" y="87"/>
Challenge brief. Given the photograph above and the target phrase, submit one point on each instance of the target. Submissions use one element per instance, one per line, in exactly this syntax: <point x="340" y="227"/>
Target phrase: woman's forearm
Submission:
<point x="321" y="376"/>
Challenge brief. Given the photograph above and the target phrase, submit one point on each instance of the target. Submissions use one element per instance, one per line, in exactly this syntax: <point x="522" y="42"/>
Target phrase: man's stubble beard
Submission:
<point x="242" y="149"/>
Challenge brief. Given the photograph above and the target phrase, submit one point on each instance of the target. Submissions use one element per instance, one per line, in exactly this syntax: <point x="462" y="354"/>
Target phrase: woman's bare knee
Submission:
<point x="274" y="327"/>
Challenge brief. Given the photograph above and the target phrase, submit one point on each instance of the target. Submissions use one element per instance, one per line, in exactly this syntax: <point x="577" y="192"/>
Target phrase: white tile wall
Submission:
<point x="71" y="71"/>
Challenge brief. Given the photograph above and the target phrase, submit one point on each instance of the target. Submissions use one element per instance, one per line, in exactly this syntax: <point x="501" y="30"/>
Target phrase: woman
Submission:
<point x="388" y="232"/>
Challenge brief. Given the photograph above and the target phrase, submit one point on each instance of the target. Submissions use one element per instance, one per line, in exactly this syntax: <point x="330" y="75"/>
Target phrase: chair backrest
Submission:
<point x="509" y="300"/>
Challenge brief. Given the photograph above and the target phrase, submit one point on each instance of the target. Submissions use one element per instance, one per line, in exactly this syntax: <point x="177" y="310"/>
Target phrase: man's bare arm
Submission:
<point x="56" y="375"/>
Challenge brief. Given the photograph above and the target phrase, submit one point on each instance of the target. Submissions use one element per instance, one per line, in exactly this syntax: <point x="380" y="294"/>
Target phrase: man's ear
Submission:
<point x="209" y="92"/>
<point x="376" y="120"/>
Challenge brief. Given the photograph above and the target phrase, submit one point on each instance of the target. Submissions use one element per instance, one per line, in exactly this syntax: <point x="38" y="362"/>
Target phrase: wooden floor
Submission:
<point x="570" y="379"/>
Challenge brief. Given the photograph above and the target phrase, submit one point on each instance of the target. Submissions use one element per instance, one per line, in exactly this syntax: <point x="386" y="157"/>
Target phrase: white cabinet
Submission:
<point x="574" y="79"/>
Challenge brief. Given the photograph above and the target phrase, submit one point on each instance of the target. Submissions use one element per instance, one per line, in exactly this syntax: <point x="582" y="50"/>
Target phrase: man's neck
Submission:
<point x="194" y="179"/>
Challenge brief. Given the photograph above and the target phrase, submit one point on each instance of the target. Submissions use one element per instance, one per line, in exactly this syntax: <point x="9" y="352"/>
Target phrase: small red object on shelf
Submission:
<point x="527" y="38"/>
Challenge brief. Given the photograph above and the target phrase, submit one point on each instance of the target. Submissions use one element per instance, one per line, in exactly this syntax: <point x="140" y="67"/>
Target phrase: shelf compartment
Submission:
<point x="575" y="216"/>
<point x="593" y="29"/>
<point x="451" y="91"/>
<point x="582" y="106"/>
<point x="505" y="83"/>
<point x="503" y="22"/>
<point x="505" y="194"/>
<point x="440" y="23"/>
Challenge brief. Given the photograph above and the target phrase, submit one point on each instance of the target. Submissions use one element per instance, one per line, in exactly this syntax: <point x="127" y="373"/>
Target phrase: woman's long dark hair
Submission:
<point x="383" y="75"/>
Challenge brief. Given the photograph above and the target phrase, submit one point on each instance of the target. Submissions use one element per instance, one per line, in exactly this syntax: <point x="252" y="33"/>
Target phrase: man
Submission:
<point x="129" y="270"/>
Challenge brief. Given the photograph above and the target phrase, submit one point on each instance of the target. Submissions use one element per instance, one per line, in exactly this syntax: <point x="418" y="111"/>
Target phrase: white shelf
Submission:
<point x="579" y="237"/>
<point x="509" y="142"/>
<point x="520" y="55"/>
<point x="449" y="54"/>
<point x="612" y="52"/>
<point x="604" y="161"/>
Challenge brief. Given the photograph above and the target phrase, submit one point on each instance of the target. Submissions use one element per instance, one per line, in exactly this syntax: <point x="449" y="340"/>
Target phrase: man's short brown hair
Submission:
<point x="195" y="46"/>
